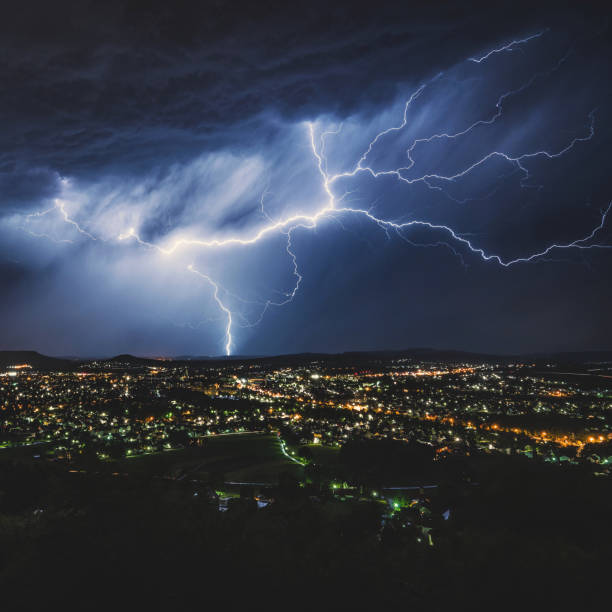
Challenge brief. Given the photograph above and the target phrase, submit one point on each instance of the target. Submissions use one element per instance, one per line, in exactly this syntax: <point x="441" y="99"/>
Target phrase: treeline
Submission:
<point x="526" y="536"/>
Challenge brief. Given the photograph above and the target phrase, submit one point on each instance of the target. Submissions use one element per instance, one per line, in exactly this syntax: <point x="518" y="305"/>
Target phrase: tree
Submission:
<point x="178" y="437"/>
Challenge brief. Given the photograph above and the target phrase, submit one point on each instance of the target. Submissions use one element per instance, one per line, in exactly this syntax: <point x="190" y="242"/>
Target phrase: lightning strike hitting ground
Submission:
<point x="227" y="311"/>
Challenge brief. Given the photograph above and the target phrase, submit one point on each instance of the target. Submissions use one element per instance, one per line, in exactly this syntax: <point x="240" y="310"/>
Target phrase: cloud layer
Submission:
<point x="130" y="129"/>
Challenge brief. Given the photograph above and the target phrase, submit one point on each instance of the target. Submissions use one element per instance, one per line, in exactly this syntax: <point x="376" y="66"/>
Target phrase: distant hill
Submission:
<point x="36" y="360"/>
<point x="357" y="358"/>
<point x="421" y="354"/>
<point x="577" y="356"/>
<point x="130" y="360"/>
<point x="369" y="357"/>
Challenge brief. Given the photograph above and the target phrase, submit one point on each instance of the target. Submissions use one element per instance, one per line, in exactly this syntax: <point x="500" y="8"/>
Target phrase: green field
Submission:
<point x="241" y="457"/>
<point x="244" y="457"/>
<point x="323" y="455"/>
<point x="23" y="452"/>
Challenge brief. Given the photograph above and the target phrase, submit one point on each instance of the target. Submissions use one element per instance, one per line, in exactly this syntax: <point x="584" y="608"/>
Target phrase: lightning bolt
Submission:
<point x="61" y="206"/>
<point x="507" y="47"/>
<point x="222" y="306"/>
<point x="289" y="295"/>
<point x="334" y="206"/>
<point x="516" y="161"/>
<point x="577" y="244"/>
<point x="58" y="205"/>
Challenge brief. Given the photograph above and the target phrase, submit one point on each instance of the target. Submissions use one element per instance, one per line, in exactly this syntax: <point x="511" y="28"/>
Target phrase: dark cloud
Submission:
<point x="87" y="83"/>
<point x="176" y="117"/>
<point x="25" y="189"/>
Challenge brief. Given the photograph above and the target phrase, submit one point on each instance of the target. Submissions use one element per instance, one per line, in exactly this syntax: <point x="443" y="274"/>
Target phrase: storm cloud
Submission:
<point x="128" y="127"/>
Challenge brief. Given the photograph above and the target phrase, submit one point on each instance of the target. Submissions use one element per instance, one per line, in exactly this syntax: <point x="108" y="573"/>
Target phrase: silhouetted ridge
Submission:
<point x="35" y="359"/>
<point x="349" y="358"/>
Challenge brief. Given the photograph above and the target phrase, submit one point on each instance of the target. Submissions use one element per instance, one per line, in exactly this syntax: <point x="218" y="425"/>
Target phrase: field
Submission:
<point x="243" y="457"/>
<point x="323" y="455"/>
<point x="23" y="452"/>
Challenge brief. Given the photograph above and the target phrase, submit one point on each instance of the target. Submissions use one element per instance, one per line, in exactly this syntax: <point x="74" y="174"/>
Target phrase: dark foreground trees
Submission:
<point x="521" y="539"/>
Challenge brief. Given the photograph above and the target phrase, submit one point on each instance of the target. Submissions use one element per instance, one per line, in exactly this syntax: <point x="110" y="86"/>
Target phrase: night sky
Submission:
<point x="327" y="176"/>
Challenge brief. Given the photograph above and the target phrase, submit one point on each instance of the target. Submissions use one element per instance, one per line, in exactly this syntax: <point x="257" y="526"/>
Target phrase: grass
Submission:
<point x="245" y="457"/>
<point x="242" y="457"/>
<point x="324" y="455"/>
<point x="23" y="452"/>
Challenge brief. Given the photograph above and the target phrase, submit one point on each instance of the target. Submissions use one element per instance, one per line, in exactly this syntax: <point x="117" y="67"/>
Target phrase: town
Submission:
<point x="355" y="465"/>
<point x="112" y="409"/>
